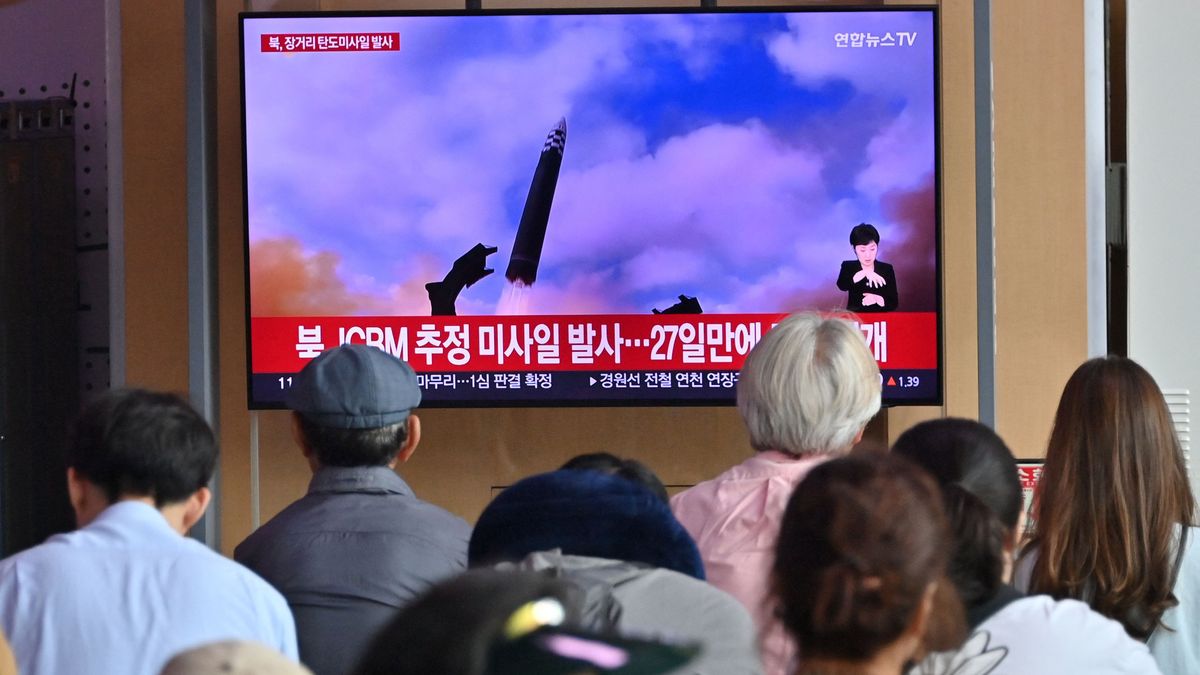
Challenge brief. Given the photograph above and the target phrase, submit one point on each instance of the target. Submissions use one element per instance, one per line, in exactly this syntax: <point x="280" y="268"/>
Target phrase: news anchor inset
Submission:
<point x="869" y="283"/>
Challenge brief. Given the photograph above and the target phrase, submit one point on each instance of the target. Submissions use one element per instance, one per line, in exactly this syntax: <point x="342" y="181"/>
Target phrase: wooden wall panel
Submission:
<point x="155" y="188"/>
<point x="236" y="490"/>
<point x="1040" y="223"/>
<point x="959" y="304"/>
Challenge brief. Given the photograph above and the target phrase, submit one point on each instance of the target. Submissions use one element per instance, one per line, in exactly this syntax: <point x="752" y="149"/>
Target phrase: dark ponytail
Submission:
<point x="977" y="561"/>
<point x="862" y="540"/>
<point x="981" y="494"/>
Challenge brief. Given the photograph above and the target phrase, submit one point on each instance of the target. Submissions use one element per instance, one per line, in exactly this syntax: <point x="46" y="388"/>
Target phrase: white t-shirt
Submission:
<point x="1177" y="648"/>
<point x="1037" y="635"/>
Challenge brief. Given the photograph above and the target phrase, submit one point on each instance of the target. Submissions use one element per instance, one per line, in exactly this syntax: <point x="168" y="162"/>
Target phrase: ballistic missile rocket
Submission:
<point x="531" y="233"/>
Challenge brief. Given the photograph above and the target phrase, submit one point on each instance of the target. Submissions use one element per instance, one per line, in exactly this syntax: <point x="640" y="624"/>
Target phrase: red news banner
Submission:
<point x="287" y="43"/>
<point x="899" y="340"/>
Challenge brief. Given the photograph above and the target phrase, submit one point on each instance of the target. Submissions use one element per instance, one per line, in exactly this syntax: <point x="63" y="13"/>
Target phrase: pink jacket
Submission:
<point x="735" y="520"/>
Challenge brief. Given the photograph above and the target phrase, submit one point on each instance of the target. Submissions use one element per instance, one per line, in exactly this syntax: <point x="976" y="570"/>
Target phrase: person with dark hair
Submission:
<point x="359" y="545"/>
<point x="981" y="495"/>
<point x="629" y="469"/>
<point x="618" y="543"/>
<point x="870" y="284"/>
<point x="860" y="551"/>
<point x="1115" y="512"/>
<point x="488" y="622"/>
<point x="982" y="499"/>
<point x="127" y="590"/>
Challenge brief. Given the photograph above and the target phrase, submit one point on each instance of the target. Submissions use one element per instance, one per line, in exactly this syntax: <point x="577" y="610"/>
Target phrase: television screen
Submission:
<point x="589" y="207"/>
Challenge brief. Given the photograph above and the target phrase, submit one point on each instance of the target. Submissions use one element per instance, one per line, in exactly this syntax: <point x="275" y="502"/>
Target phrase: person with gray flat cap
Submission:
<point x="359" y="545"/>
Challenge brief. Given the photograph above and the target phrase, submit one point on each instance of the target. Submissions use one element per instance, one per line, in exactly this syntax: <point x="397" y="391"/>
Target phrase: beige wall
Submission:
<point x="231" y="285"/>
<point x="1040" y="217"/>
<point x="466" y="453"/>
<point x="155" y="188"/>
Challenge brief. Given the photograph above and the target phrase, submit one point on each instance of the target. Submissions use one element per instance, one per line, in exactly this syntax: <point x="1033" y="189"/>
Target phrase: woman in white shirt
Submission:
<point x="1112" y="504"/>
<point x="1011" y="633"/>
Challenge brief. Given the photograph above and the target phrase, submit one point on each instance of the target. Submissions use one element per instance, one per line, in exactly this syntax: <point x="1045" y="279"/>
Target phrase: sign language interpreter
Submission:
<point x="869" y="282"/>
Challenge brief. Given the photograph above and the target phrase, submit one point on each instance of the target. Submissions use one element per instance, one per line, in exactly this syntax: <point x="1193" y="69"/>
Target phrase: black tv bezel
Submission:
<point x="937" y="399"/>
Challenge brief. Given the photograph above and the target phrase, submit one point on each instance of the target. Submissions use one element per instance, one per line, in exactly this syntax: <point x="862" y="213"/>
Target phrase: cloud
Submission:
<point x="286" y="281"/>
<point x="902" y="78"/>
<point x="913" y="213"/>
<point x="899" y="157"/>
<point x="783" y="289"/>
<point x="658" y="266"/>
<point x="705" y="191"/>
<point x="289" y="281"/>
<point x="741" y="232"/>
<point x="426" y="159"/>
<point x="807" y="52"/>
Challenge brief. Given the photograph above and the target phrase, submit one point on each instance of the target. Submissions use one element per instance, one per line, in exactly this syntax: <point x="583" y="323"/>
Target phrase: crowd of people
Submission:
<point x="813" y="556"/>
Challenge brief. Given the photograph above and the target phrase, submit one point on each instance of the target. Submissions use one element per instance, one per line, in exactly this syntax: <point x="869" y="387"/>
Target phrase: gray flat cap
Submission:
<point x="355" y="387"/>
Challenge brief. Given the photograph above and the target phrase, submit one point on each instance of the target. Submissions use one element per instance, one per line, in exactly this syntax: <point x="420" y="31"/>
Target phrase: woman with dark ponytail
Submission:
<point x="861" y="548"/>
<point x="981" y="495"/>
<point x="982" y="498"/>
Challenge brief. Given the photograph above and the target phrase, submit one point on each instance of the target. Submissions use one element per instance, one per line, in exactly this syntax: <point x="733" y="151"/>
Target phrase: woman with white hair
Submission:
<point x="806" y="392"/>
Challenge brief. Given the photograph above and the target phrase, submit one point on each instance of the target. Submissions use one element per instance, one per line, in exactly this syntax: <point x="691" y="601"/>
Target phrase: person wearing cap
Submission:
<point x="359" y="545"/>
<point x="489" y="622"/>
<point x="615" y="540"/>
<point x="127" y="590"/>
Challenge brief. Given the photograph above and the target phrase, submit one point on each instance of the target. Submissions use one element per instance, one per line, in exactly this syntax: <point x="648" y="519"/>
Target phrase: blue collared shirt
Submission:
<point x="351" y="552"/>
<point x="125" y="594"/>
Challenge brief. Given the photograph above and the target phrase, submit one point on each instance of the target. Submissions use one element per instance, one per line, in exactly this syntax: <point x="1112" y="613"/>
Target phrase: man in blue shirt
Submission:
<point x="127" y="590"/>
<point x="359" y="545"/>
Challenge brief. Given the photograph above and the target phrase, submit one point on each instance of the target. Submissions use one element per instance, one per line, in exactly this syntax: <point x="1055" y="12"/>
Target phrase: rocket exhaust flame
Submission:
<point x="514" y="300"/>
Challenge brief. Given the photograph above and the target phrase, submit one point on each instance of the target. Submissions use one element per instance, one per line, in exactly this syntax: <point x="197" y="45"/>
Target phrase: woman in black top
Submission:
<point x="870" y="283"/>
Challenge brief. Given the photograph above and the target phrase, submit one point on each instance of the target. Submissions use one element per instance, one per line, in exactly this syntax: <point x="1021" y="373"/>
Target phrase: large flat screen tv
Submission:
<point x="589" y="207"/>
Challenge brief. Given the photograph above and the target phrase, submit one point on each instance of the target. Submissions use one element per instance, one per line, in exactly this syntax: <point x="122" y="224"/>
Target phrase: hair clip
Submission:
<point x="534" y="615"/>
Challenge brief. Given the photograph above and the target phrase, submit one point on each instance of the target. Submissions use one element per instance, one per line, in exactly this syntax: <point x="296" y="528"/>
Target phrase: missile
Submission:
<point x="531" y="233"/>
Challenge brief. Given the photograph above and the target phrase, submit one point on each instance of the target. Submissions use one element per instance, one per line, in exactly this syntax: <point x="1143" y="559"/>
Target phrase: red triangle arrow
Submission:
<point x="891" y="381"/>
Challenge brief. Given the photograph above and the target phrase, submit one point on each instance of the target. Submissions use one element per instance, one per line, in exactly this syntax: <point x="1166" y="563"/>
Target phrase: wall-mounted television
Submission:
<point x="600" y="207"/>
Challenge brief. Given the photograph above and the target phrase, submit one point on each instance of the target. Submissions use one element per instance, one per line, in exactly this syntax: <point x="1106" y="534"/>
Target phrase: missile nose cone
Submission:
<point x="557" y="138"/>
